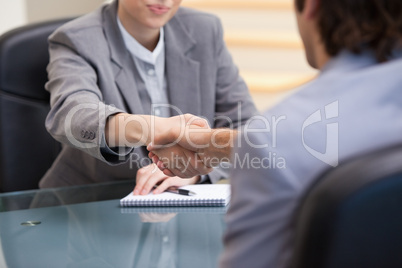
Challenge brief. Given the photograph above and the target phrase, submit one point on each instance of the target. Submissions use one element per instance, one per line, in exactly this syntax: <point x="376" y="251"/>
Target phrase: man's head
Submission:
<point x="349" y="24"/>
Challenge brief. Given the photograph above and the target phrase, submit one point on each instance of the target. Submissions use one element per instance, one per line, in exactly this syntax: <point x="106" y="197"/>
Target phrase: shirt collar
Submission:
<point x="138" y="50"/>
<point x="347" y="61"/>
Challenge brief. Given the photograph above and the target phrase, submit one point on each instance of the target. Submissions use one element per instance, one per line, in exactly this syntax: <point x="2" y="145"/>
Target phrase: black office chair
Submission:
<point x="352" y="217"/>
<point x="26" y="149"/>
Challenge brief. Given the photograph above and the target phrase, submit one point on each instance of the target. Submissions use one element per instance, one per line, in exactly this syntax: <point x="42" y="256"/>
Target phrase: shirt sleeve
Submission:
<point x="116" y="151"/>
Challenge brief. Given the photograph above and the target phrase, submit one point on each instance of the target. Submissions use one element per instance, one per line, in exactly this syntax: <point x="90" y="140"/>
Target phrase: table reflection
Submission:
<point x="103" y="234"/>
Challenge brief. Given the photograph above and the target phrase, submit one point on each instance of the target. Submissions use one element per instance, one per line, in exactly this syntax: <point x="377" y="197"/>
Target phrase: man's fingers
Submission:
<point x="155" y="159"/>
<point x="182" y="163"/>
<point x="151" y="154"/>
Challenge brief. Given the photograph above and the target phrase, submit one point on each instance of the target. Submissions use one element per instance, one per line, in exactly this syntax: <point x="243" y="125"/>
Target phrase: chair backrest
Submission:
<point x="26" y="149"/>
<point x="352" y="216"/>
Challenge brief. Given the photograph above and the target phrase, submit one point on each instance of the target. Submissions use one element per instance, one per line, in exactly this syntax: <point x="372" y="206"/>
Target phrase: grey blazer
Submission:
<point x="91" y="77"/>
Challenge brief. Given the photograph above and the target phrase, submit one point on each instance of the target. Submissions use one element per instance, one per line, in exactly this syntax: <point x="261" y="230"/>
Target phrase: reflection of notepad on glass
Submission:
<point x="207" y="195"/>
<point x="181" y="210"/>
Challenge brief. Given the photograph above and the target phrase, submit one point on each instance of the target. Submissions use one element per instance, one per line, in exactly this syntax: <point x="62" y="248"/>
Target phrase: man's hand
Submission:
<point x="150" y="176"/>
<point x="196" y="152"/>
<point x="178" y="161"/>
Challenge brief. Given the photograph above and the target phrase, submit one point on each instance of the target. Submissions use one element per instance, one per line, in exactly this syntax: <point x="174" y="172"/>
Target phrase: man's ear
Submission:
<point x="311" y="8"/>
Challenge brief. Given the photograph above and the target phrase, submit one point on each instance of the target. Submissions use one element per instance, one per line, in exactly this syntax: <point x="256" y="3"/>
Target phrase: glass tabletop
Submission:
<point x="65" y="196"/>
<point x="84" y="226"/>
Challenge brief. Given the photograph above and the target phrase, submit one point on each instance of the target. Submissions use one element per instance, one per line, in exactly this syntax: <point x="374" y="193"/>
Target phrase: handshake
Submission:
<point x="182" y="146"/>
<point x="186" y="146"/>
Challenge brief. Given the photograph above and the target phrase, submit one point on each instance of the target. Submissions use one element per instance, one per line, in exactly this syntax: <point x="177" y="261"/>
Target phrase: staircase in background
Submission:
<point x="263" y="39"/>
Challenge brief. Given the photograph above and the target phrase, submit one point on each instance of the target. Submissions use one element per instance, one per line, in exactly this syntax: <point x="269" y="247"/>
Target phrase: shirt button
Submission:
<point x="151" y="72"/>
<point x="91" y="135"/>
<point x="157" y="112"/>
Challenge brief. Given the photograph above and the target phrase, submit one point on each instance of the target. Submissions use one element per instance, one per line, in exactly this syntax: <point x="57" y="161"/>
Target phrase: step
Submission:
<point x="270" y="60"/>
<point x="268" y="39"/>
<point x="274" y="82"/>
<point x="259" y="20"/>
<point x="240" y="4"/>
<point x="259" y="28"/>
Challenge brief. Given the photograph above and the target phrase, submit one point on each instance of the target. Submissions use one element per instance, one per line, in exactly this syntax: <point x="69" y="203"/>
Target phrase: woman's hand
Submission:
<point x="150" y="176"/>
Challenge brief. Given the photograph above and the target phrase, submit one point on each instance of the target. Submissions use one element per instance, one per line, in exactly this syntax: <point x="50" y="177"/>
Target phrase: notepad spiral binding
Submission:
<point x="173" y="202"/>
<point x="176" y="209"/>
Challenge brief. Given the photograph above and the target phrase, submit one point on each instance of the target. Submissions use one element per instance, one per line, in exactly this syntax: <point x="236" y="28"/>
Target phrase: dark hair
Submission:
<point x="354" y="24"/>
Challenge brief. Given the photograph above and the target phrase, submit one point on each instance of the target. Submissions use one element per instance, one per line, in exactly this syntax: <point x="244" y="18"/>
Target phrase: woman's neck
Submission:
<point x="147" y="37"/>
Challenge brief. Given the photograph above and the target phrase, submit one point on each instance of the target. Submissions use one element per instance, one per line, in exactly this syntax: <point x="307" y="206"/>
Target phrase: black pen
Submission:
<point x="175" y="190"/>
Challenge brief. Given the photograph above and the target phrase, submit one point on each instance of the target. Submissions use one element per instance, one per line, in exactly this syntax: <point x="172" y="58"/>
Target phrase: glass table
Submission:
<point x="84" y="226"/>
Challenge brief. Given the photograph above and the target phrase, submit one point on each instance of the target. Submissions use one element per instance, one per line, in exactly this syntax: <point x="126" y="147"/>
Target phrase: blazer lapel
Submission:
<point x="123" y="64"/>
<point x="183" y="73"/>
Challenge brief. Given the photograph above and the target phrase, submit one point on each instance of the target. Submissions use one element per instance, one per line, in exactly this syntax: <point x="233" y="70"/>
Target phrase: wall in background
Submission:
<point x="261" y="35"/>
<point x="40" y="10"/>
<point x="12" y="14"/>
<point x="15" y="13"/>
<point x="263" y="38"/>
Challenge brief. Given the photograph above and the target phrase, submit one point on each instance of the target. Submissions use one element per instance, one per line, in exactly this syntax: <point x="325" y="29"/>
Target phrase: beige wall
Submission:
<point x="263" y="38"/>
<point x="14" y="13"/>
<point x="39" y="10"/>
<point x="261" y="34"/>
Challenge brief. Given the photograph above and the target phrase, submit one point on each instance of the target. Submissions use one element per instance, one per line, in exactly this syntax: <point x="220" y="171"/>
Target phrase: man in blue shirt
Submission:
<point x="352" y="108"/>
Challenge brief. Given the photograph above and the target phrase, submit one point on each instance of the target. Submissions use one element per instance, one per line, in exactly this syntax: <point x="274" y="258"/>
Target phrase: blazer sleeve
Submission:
<point x="78" y="113"/>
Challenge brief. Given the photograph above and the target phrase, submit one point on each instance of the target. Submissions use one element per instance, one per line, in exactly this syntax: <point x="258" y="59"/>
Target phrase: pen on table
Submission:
<point x="175" y="190"/>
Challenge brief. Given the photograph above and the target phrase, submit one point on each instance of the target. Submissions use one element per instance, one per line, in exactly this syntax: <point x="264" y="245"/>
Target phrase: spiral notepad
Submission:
<point x="181" y="210"/>
<point x="207" y="195"/>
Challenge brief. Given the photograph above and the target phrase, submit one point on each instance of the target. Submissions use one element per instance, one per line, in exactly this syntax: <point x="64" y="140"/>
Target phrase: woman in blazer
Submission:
<point x="122" y="63"/>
